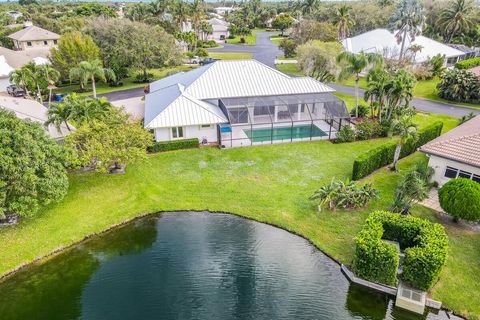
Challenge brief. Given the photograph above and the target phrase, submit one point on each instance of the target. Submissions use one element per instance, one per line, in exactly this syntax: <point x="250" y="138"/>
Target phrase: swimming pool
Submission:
<point x="284" y="133"/>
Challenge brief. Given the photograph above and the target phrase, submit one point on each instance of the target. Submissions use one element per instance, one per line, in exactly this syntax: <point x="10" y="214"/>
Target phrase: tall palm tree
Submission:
<point x="197" y="10"/>
<point x="415" y="48"/>
<point x="405" y="129"/>
<point x="354" y="64"/>
<point x="51" y="75"/>
<point x="399" y="91"/>
<point x="377" y="85"/>
<point x="407" y="20"/>
<point x="58" y="114"/>
<point x="181" y="12"/>
<point x="89" y="70"/>
<point x="344" y="21"/>
<point x="456" y="18"/>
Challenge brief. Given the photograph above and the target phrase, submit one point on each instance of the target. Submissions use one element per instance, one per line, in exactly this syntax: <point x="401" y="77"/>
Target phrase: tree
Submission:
<point x="354" y="64"/>
<point x="108" y="145"/>
<point x="124" y="43"/>
<point x="459" y="85"/>
<point x="282" y="22"/>
<point x="344" y="21"/>
<point x="205" y="29"/>
<point x="58" y="114"/>
<point x="399" y="92"/>
<point x="307" y="30"/>
<point x="378" y="82"/>
<point x="317" y="59"/>
<point x="456" y="18"/>
<point x="52" y="75"/>
<point x="181" y="13"/>
<point x="87" y="70"/>
<point x="73" y="48"/>
<point x="308" y="6"/>
<point x="404" y="128"/>
<point x="33" y="167"/>
<point x="23" y="78"/>
<point x="460" y="198"/>
<point x="32" y="77"/>
<point x="289" y="47"/>
<point x="407" y="19"/>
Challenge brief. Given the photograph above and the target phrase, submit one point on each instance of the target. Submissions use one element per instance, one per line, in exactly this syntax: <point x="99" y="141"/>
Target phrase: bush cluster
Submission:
<point x="461" y="198"/>
<point x="174" y="145"/>
<point x="382" y="155"/>
<point x="425" y="245"/>
<point x="468" y="64"/>
<point x="459" y="85"/>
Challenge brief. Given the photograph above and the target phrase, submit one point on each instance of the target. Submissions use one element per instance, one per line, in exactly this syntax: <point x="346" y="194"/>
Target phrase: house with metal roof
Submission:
<point x="34" y="37"/>
<point x="384" y="42"/>
<point x="242" y="103"/>
<point x="456" y="153"/>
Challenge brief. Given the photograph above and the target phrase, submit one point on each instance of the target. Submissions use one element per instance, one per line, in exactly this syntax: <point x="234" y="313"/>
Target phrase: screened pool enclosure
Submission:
<point x="278" y="119"/>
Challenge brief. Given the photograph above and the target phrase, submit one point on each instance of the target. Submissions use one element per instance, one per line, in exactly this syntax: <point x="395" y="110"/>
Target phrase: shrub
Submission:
<point x="174" y="145"/>
<point x="368" y="130"/>
<point x="344" y="195"/>
<point x="461" y="198"/>
<point x="289" y="47"/>
<point x="362" y="111"/>
<point x="201" y="52"/>
<point x="345" y="134"/>
<point x="459" y="85"/>
<point x="468" y="64"/>
<point x="383" y="155"/>
<point x="423" y="71"/>
<point x="425" y="245"/>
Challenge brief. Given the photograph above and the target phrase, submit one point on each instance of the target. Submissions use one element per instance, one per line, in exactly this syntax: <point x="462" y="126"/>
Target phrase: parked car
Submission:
<point x="207" y="61"/>
<point x="14" y="91"/>
<point x="195" y="60"/>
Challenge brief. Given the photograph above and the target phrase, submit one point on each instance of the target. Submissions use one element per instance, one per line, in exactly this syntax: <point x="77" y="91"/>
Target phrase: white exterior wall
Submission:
<point x="165" y="134"/>
<point x="4" y="83"/>
<point x="35" y="44"/>
<point x="216" y="35"/>
<point x="440" y="165"/>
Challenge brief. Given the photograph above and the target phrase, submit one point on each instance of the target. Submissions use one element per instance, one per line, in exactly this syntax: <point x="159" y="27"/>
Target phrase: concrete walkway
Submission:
<point x="432" y="201"/>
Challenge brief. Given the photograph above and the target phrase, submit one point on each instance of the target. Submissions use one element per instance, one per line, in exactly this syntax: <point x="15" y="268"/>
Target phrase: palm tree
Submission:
<point x="58" y="114"/>
<point x="456" y="18"/>
<point x="181" y="13"/>
<point x="414" y="48"/>
<point x="308" y="6"/>
<point x="89" y="70"/>
<point x="354" y="64"/>
<point x="344" y="21"/>
<point x="407" y="19"/>
<point x="52" y="75"/>
<point x="404" y="127"/>
<point x="197" y="11"/>
<point x="377" y="85"/>
<point x="399" y="91"/>
<point x="22" y="78"/>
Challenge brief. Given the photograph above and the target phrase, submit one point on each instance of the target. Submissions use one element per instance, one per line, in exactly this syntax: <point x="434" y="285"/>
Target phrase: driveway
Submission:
<point x="266" y="52"/>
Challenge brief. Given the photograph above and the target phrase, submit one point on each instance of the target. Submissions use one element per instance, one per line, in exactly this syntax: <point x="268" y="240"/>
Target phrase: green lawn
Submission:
<point x="290" y="69"/>
<point x="250" y="40"/>
<point x="128" y="83"/>
<point x="267" y="183"/>
<point x="231" y="55"/>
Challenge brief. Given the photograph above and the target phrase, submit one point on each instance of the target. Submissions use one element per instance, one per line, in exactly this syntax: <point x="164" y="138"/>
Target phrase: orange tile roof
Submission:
<point x="461" y="144"/>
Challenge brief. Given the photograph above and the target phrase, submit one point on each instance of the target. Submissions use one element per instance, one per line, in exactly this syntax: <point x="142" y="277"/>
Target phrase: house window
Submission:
<point x="45" y="42"/>
<point x="177" y="132"/>
<point x="476" y="178"/>
<point x="222" y="37"/>
<point x="464" y="174"/>
<point x="206" y="126"/>
<point x="29" y="43"/>
<point x="54" y="41"/>
<point x="451" y="172"/>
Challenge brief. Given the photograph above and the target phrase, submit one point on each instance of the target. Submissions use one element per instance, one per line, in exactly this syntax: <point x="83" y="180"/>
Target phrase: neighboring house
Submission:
<point x="34" y="37"/>
<point x="223" y="10"/>
<point x="383" y="41"/>
<point x="219" y="30"/>
<point x="14" y="14"/>
<point x="456" y="153"/>
<point x="11" y="60"/>
<point x="27" y="109"/>
<point x="240" y="103"/>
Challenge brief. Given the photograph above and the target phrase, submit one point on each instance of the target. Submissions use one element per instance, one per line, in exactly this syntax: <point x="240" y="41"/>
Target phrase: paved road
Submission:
<point x="420" y="104"/>
<point x="266" y="52"/>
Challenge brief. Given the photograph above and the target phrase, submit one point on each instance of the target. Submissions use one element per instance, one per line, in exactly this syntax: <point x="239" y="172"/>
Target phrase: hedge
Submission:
<point x="461" y="198"/>
<point x="174" y="145"/>
<point x="383" y="155"/>
<point x="468" y="64"/>
<point x="425" y="245"/>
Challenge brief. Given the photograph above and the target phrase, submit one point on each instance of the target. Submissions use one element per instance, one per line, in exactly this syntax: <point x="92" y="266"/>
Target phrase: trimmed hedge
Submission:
<point x="174" y="145"/>
<point x="383" y="155"/>
<point x="461" y="198"/>
<point x="468" y="64"/>
<point x="425" y="245"/>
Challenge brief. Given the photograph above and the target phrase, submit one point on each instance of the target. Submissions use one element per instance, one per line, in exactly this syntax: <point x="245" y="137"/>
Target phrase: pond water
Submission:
<point x="192" y="266"/>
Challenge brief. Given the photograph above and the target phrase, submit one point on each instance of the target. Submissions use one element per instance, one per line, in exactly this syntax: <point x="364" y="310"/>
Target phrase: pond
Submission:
<point x="192" y="266"/>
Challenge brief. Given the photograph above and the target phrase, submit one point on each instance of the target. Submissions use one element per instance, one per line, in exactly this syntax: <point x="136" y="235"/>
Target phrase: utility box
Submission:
<point x="410" y="299"/>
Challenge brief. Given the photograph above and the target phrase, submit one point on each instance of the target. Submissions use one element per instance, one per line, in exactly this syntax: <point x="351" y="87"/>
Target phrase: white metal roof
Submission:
<point x="379" y="40"/>
<point x="182" y="110"/>
<point x="177" y="100"/>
